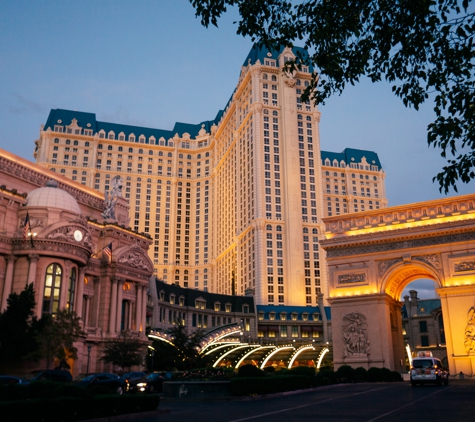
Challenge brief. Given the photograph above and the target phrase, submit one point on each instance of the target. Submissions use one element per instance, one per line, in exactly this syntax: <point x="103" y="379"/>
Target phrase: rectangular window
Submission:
<point x="424" y="341"/>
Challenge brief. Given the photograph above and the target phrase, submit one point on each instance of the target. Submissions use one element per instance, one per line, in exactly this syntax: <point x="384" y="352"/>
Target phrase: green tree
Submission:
<point x="187" y="347"/>
<point x="126" y="350"/>
<point x="18" y="325"/>
<point x="424" y="48"/>
<point x="56" y="336"/>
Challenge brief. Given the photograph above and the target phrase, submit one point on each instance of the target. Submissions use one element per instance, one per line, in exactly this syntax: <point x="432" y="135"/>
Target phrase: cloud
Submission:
<point x="22" y="105"/>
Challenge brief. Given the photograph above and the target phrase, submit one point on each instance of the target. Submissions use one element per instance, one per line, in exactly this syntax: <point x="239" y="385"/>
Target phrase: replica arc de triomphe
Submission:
<point x="373" y="255"/>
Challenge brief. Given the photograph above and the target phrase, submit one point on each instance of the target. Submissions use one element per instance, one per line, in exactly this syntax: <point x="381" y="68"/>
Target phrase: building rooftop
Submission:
<point x="351" y="155"/>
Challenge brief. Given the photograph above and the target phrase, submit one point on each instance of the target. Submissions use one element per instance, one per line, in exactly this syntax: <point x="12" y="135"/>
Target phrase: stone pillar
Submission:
<point x="120" y="290"/>
<point x="32" y="268"/>
<point x="7" y="287"/>
<point x="113" y="306"/>
<point x="87" y="310"/>
<point x="138" y="309"/>
<point x="144" y="309"/>
<point x="80" y="292"/>
<point x="95" y="309"/>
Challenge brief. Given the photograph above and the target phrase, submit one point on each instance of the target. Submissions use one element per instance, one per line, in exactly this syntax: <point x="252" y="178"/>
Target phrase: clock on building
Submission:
<point x="77" y="235"/>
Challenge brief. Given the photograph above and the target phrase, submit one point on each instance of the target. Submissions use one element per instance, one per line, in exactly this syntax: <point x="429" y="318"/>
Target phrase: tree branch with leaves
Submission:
<point x="424" y="49"/>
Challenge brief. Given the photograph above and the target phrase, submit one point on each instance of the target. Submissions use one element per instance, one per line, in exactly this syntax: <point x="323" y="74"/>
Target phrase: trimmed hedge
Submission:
<point x="302" y="377"/>
<point x="55" y="402"/>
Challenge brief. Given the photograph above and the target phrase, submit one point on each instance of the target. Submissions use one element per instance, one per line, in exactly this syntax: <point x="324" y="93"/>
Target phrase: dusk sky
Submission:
<point x="151" y="63"/>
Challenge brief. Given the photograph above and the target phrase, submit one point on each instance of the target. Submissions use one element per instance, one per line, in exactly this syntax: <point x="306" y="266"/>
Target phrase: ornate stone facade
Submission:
<point x="66" y="235"/>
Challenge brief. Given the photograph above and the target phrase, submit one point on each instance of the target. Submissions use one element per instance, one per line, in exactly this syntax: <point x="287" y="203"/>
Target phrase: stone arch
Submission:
<point x="403" y="273"/>
<point x="372" y="256"/>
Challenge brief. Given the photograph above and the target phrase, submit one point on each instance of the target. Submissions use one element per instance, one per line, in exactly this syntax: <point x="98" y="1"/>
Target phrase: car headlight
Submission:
<point x="142" y="384"/>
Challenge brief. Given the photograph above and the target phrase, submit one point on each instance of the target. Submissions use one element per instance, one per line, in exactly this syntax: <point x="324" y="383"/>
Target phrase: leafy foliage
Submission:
<point x="424" y="49"/>
<point x="187" y="347"/>
<point x="126" y="350"/>
<point x="18" y="325"/>
<point x="56" y="336"/>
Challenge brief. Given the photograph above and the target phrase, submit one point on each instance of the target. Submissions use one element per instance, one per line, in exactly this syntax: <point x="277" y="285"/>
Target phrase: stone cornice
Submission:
<point x="400" y="243"/>
<point x="51" y="248"/>
<point x="428" y="213"/>
<point x="38" y="176"/>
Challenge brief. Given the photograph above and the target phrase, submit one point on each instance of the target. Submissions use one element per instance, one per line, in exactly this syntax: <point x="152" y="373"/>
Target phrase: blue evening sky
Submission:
<point x="151" y="63"/>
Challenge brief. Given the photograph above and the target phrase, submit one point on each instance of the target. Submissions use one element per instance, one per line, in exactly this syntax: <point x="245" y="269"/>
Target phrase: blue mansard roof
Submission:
<point x="350" y="155"/>
<point x="266" y="309"/>
<point x="89" y="121"/>
<point x="260" y="52"/>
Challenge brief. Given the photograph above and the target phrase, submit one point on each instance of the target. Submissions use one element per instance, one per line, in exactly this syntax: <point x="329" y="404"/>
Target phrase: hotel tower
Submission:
<point x="234" y="205"/>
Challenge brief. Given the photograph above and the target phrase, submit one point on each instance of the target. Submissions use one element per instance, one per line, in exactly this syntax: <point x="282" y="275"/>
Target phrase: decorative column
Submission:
<point x="144" y="309"/>
<point x="79" y="293"/>
<point x="7" y="287"/>
<point x="32" y="268"/>
<point x="87" y="310"/>
<point x="113" y="306"/>
<point x="95" y="303"/>
<point x="138" y="309"/>
<point x="120" y="290"/>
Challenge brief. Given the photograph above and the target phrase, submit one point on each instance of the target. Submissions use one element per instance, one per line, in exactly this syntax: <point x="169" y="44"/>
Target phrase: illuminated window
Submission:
<point x="71" y="290"/>
<point x="52" y="291"/>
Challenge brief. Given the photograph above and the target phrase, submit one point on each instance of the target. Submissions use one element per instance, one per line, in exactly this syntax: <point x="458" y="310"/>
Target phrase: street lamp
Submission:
<point x="89" y="347"/>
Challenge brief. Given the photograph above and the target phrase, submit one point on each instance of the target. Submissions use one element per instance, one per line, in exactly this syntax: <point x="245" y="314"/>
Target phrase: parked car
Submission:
<point x="151" y="383"/>
<point x="427" y="369"/>
<point x="50" y="375"/>
<point x="133" y="375"/>
<point x="12" y="380"/>
<point x="113" y="382"/>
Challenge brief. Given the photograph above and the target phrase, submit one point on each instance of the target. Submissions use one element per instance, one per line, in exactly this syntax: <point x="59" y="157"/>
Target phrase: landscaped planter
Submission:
<point x="196" y="389"/>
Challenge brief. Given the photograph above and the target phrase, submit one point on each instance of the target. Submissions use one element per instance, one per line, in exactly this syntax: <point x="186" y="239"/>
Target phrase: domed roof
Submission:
<point x="52" y="196"/>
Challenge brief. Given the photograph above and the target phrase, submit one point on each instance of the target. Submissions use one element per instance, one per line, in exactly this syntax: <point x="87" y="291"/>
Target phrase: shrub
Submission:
<point x="208" y="374"/>
<point x="250" y="371"/>
<point x="307" y="371"/>
<point x="345" y="373"/>
<point x="76" y="408"/>
<point x="325" y="377"/>
<point x="361" y="374"/>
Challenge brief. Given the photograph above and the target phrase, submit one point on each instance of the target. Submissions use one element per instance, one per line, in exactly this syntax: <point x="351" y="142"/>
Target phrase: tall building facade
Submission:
<point x="234" y="204"/>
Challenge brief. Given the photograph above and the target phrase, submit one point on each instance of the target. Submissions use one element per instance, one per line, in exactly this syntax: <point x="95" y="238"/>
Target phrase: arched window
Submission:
<point x="52" y="293"/>
<point x="71" y="290"/>
<point x="269" y="227"/>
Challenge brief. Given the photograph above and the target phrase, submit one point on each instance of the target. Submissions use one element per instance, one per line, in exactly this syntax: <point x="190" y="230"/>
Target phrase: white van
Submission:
<point x="427" y="369"/>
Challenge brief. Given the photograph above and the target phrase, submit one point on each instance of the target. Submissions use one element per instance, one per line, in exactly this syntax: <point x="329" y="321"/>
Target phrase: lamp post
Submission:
<point x="89" y="347"/>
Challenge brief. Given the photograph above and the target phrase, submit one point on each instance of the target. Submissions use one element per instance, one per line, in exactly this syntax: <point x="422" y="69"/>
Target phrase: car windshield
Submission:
<point x="84" y="377"/>
<point x="153" y="376"/>
<point x="31" y="375"/>
<point x="422" y="363"/>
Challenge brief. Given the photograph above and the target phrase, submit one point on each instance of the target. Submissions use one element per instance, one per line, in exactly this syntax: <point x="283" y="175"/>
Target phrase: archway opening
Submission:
<point x="416" y="314"/>
<point x="422" y="320"/>
<point x="425" y="288"/>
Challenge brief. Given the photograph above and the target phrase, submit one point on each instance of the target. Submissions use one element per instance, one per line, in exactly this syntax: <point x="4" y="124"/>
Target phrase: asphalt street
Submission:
<point x="349" y="402"/>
